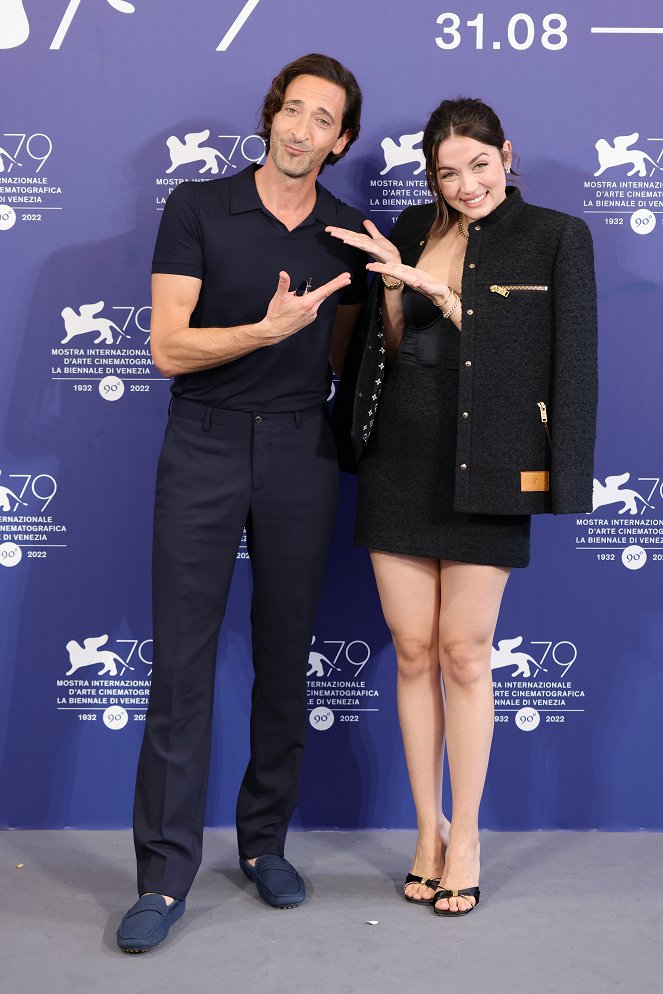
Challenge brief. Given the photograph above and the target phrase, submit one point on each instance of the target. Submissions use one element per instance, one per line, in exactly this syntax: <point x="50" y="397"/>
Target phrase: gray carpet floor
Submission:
<point x="559" y="912"/>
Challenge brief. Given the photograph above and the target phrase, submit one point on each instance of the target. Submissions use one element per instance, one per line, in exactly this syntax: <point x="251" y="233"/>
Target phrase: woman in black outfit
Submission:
<point x="486" y="316"/>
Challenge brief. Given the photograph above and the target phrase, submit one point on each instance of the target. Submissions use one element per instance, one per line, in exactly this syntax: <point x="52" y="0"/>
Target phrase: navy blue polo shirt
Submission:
<point x="220" y="232"/>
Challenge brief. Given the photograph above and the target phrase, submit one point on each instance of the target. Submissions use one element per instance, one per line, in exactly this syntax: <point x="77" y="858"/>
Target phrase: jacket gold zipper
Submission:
<point x="543" y="411"/>
<point x="504" y="291"/>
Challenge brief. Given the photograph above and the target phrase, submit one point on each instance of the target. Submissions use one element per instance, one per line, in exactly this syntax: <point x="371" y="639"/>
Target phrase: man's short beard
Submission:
<point x="294" y="170"/>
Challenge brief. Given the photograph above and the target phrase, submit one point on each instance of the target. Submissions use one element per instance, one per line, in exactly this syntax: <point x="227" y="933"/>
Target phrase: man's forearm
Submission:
<point x="190" y="350"/>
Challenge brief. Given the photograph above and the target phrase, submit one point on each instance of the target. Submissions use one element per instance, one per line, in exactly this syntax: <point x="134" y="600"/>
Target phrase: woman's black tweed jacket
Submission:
<point x="529" y="337"/>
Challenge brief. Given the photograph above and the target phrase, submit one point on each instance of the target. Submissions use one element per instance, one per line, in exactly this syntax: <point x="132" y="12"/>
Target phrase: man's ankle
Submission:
<point x="167" y="899"/>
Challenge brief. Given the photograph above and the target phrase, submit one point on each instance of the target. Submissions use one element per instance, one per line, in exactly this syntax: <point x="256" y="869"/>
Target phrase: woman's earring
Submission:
<point x="507" y="169"/>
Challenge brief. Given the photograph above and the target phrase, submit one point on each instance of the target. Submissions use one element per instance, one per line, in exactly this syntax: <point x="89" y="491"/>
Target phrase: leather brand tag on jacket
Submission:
<point x="533" y="481"/>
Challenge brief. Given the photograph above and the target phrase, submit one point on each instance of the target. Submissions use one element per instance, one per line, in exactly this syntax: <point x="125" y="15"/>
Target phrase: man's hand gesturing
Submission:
<point x="288" y="313"/>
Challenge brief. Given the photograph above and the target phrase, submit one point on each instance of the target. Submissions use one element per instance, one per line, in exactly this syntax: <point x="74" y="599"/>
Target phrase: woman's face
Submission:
<point x="471" y="175"/>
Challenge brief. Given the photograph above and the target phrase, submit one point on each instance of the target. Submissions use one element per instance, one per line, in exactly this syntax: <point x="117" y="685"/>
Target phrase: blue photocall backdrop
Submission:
<point x="105" y="107"/>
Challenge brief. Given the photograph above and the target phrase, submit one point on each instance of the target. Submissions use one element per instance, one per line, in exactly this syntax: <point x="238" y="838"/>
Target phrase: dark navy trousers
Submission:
<point x="220" y="471"/>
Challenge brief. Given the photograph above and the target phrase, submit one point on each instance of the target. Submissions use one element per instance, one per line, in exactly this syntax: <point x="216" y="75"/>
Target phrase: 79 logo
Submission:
<point x="17" y="147"/>
<point x="355" y="654"/>
<point x="136" y="317"/>
<point x="15" y="24"/>
<point x="112" y="663"/>
<point x="89" y="320"/>
<point x="132" y="319"/>
<point x="139" y="652"/>
<point x="195" y="150"/>
<point x="552" y="657"/>
<point x="42" y="488"/>
<point x="251" y="149"/>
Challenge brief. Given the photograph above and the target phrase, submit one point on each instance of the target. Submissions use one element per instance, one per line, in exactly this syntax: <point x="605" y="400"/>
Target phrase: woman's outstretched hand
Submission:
<point x="420" y="281"/>
<point x="373" y="243"/>
<point x="388" y="262"/>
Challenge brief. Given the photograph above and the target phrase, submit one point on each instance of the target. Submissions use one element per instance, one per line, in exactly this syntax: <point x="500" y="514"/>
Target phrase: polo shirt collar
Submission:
<point x="244" y="197"/>
<point x="243" y="192"/>
<point x="325" y="206"/>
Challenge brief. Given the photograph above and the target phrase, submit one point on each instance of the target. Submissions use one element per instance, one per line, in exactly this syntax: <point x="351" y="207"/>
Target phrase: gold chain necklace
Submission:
<point x="464" y="233"/>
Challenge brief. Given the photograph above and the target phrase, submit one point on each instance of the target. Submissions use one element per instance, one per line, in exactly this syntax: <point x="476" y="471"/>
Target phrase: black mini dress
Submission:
<point x="406" y="475"/>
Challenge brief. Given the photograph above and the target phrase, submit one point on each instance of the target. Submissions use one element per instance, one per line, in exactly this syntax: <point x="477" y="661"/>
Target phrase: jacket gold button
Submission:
<point x="463" y="465"/>
<point x="469" y="311"/>
<point x="472" y="266"/>
<point x="477" y="227"/>
<point x="467" y="363"/>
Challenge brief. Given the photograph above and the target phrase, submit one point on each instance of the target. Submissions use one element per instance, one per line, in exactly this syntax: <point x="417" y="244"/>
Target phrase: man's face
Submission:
<point x="308" y="126"/>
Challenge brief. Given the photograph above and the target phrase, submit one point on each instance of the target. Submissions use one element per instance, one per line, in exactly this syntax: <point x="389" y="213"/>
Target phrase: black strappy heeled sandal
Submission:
<point x="443" y="894"/>
<point x="432" y="882"/>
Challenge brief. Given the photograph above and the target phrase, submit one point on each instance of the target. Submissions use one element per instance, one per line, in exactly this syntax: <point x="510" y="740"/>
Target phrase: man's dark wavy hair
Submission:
<point x="324" y="67"/>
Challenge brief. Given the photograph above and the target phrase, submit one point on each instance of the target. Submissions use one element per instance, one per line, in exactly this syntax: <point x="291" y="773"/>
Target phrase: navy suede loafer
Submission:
<point x="146" y="924"/>
<point x="278" y="882"/>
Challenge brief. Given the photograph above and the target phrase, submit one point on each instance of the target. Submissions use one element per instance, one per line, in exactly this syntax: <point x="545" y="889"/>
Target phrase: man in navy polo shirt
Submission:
<point x="251" y="299"/>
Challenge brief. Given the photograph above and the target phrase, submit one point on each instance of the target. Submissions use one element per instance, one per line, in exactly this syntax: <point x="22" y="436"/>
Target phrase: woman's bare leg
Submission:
<point x="470" y="601"/>
<point x="409" y="588"/>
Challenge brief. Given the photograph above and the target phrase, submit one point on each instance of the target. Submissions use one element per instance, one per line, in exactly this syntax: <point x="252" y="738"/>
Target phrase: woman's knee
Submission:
<point x="465" y="661"/>
<point x="416" y="656"/>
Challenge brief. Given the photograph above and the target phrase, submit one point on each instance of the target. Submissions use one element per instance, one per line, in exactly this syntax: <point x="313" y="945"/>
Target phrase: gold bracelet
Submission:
<point x="392" y="286"/>
<point x="453" y="306"/>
